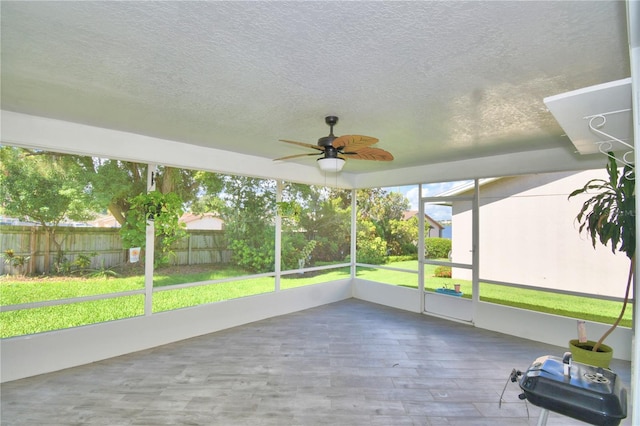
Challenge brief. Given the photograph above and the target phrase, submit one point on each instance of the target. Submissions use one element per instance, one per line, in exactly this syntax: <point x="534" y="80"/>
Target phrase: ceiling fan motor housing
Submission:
<point x="329" y="151"/>
<point x="327" y="141"/>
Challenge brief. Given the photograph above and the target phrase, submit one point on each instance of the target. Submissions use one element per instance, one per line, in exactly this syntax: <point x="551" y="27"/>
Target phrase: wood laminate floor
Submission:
<point x="347" y="363"/>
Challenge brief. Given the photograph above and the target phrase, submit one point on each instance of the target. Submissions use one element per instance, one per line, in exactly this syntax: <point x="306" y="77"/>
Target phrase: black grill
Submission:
<point x="591" y="394"/>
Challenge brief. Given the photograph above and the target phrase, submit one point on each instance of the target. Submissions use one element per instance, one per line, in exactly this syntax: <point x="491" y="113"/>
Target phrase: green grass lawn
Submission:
<point x="572" y="306"/>
<point x="29" y="321"/>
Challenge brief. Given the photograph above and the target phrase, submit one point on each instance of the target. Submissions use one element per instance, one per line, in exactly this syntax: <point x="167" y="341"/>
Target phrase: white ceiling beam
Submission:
<point x="72" y="138"/>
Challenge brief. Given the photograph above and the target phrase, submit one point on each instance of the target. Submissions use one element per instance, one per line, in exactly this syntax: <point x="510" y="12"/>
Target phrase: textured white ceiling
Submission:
<point x="434" y="81"/>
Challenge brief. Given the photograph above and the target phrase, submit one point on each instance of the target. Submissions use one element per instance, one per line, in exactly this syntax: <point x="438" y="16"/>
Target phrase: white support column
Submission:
<point x="633" y="28"/>
<point x="278" y="236"/>
<point x="421" y="248"/>
<point x="475" y="255"/>
<point x="148" y="268"/>
<point x="354" y="225"/>
<point x="152" y="170"/>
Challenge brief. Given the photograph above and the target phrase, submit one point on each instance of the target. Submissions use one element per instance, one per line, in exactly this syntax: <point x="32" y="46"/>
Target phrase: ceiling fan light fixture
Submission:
<point x="333" y="165"/>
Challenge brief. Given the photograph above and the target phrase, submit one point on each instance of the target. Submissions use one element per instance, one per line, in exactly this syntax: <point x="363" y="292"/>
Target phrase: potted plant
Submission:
<point x="608" y="218"/>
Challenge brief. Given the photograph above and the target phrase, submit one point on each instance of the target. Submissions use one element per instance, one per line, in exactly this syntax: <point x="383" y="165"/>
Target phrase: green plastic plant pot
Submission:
<point x="581" y="352"/>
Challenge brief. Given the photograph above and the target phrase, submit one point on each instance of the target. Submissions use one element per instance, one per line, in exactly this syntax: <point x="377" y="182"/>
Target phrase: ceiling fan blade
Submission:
<point x="353" y="142"/>
<point x="368" y="153"/>
<point x="344" y="147"/>
<point x="306" y="145"/>
<point x="296" y="156"/>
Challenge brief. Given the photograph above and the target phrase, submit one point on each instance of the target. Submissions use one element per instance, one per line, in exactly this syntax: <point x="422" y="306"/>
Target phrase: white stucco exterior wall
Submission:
<point x="528" y="236"/>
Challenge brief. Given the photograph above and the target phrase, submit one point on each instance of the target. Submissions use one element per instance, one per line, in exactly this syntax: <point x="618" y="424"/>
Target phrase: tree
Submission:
<point x="403" y="236"/>
<point x="115" y="183"/>
<point x="209" y="200"/>
<point x="121" y="186"/>
<point x="371" y="248"/>
<point x="45" y="188"/>
<point x="165" y="210"/>
<point x="330" y="225"/>
<point x="383" y="210"/>
<point x="249" y="212"/>
<point x="323" y="219"/>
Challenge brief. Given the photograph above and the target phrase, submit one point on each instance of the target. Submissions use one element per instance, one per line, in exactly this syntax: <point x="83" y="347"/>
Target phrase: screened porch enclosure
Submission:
<point x="332" y="252"/>
<point x="489" y="113"/>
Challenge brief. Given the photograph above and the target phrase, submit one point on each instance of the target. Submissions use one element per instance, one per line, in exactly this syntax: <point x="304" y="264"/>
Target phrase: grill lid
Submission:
<point x="590" y="394"/>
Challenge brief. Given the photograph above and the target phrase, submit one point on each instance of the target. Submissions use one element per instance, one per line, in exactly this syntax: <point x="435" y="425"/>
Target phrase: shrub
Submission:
<point x="370" y="248"/>
<point x="373" y="251"/>
<point x="256" y="254"/>
<point x="403" y="258"/>
<point x="437" y="248"/>
<point x="16" y="261"/>
<point x="442" y="272"/>
<point x="296" y="251"/>
<point x="83" y="261"/>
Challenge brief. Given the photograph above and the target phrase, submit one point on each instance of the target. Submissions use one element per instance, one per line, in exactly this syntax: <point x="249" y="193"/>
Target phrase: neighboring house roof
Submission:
<point x="464" y="187"/>
<point x="105" y="221"/>
<point x="408" y="214"/>
<point x="202" y="221"/>
<point x="7" y="220"/>
<point x="192" y="221"/>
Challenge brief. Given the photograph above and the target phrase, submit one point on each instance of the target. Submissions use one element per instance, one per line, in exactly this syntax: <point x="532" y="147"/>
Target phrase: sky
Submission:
<point x="429" y="190"/>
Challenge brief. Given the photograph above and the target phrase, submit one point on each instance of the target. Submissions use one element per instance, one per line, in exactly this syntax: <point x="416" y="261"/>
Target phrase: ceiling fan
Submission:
<point x="334" y="150"/>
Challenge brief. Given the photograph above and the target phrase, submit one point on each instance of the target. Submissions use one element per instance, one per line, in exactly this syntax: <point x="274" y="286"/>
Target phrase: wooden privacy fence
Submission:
<point x="199" y="247"/>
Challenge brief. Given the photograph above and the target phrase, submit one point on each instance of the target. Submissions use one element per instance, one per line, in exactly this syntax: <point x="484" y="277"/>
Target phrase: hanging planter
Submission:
<point x="155" y="204"/>
<point x="165" y="211"/>
<point x="153" y="210"/>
